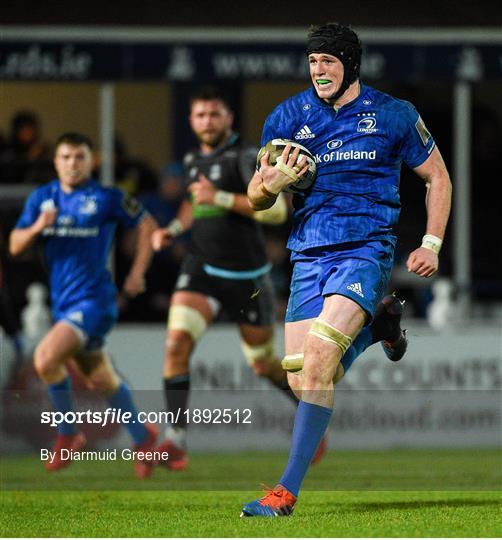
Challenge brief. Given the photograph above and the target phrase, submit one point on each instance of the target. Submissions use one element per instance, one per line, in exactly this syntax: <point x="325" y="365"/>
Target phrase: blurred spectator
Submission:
<point x="25" y="157"/>
<point x="9" y="320"/>
<point x="163" y="204"/>
<point x="132" y="175"/>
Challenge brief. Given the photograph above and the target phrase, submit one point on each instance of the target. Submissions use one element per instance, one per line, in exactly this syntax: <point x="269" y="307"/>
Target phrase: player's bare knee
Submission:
<point x="45" y="361"/>
<point x="179" y="344"/>
<point x="325" y="345"/>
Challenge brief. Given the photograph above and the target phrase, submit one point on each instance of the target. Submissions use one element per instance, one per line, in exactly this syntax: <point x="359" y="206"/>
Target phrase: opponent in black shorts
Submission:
<point x="226" y="269"/>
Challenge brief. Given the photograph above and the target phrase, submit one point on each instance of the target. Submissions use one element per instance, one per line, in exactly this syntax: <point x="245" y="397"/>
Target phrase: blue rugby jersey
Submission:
<point x="76" y="249"/>
<point x="358" y="150"/>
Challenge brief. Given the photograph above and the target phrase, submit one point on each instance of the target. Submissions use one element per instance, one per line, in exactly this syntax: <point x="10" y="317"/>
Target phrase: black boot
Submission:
<point x="386" y="327"/>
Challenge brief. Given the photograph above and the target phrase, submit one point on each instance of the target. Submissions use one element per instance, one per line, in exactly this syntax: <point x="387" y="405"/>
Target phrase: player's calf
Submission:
<point x="103" y="378"/>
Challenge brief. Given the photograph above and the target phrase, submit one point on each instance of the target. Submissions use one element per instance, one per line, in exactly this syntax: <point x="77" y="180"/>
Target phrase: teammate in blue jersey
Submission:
<point x="75" y="218"/>
<point x="342" y="242"/>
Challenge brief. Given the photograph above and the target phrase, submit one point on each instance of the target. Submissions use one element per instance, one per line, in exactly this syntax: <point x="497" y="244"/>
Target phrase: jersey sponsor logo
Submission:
<point x="356" y="287"/>
<point x="65" y="220"/>
<point x="338" y="155"/>
<point x="304" y="133"/>
<point x="334" y="144"/>
<point x="71" y="232"/>
<point x="423" y="131"/>
<point x="367" y="124"/>
<point x="89" y="206"/>
<point x="131" y="206"/>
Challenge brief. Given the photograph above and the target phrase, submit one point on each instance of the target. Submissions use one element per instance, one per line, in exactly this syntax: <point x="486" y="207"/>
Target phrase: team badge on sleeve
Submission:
<point x="422" y="131"/>
<point x="131" y="205"/>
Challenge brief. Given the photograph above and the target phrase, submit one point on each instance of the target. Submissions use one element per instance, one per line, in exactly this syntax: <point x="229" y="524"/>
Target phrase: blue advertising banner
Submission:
<point x="201" y="62"/>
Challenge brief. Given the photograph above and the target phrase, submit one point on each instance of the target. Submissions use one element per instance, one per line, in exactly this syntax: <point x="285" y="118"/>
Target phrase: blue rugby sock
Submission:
<point x="311" y="422"/>
<point x="363" y="340"/>
<point x="62" y="399"/>
<point x="122" y="399"/>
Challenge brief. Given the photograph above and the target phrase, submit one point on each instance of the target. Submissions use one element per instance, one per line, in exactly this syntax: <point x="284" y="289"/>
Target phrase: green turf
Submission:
<point x="459" y="470"/>
<point x="429" y="494"/>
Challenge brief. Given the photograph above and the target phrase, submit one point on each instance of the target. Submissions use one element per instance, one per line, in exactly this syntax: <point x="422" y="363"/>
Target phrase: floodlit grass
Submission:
<point x="398" y="493"/>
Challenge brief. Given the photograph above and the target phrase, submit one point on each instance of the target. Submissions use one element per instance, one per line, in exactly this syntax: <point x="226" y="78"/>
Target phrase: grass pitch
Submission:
<point x="405" y="493"/>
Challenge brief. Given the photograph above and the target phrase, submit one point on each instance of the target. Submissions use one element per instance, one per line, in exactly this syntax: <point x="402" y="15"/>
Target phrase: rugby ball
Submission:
<point x="275" y="148"/>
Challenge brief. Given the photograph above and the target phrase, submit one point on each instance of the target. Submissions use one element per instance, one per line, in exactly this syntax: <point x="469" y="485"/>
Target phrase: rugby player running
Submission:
<point x="75" y="219"/>
<point x="342" y="241"/>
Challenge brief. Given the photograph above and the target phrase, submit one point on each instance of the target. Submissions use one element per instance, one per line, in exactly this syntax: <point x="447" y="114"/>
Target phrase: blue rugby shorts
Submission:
<point x="358" y="270"/>
<point x="92" y="320"/>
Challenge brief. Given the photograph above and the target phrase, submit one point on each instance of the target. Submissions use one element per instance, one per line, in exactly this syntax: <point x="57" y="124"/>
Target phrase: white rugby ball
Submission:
<point x="275" y="148"/>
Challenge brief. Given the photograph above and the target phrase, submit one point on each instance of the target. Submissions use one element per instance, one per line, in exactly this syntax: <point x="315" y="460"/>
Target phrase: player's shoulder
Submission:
<point x="109" y="196"/>
<point x="45" y="191"/>
<point x="291" y="106"/>
<point x="114" y="198"/>
<point x="50" y="187"/>
<point x="93" y="187"/>
<point x="386" y="102"/>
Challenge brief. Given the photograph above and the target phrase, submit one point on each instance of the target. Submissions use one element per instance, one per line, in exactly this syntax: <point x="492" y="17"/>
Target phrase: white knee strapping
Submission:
<point x="265" y="351"/>
<point x="327" y="332"/>
<point x="188" y="319"/>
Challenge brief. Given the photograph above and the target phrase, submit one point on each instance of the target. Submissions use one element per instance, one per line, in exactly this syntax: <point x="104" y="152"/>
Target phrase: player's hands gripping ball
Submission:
<point x="286" y="166"/>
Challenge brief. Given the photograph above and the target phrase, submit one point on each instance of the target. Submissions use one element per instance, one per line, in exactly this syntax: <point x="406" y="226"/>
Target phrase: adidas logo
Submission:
<point x="356" y="287"/>
<point x="304" y="133"/>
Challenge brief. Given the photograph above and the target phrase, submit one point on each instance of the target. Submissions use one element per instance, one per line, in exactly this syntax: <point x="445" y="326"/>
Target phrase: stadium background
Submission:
<point x="123" y="75"/>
